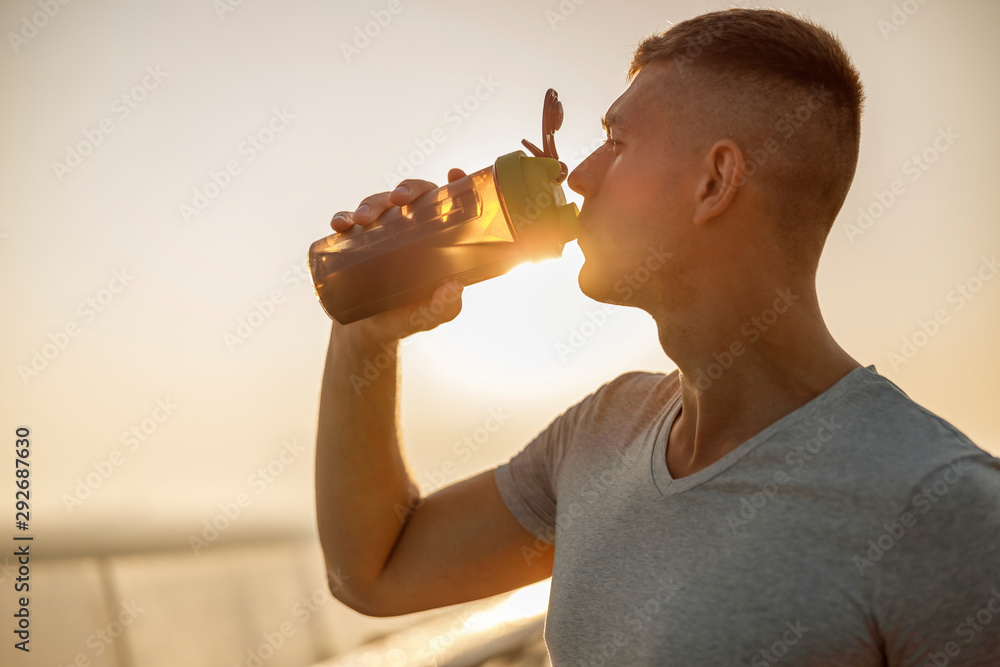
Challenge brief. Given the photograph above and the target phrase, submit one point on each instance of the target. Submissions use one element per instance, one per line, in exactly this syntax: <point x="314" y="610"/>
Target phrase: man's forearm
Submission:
<point x="361" y="475"/>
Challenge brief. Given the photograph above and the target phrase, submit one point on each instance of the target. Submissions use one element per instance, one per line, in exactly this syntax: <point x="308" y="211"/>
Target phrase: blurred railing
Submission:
<point x="263" y="604"/>
<point x="503" y="625"/>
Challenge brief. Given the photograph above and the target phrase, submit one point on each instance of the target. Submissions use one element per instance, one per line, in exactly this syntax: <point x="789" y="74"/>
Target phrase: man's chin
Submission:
<point x="597" y="286"/>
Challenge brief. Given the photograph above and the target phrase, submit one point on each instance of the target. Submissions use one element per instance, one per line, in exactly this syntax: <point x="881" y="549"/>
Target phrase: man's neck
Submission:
<point x="729" y="393"/>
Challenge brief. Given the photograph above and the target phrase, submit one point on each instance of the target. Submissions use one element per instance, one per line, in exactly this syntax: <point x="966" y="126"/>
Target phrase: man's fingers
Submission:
<point x="443" y="306"/>
<point x="342" y="221"/>
<point x="409" y="190"/>
<point x="373" y="206"/>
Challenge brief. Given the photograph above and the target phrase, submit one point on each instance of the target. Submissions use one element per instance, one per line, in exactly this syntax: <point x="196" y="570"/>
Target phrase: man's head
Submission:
<point x="735" y="144"/>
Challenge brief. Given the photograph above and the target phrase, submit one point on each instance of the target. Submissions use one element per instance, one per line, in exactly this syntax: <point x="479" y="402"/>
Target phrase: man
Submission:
<point x="773" y="500"/>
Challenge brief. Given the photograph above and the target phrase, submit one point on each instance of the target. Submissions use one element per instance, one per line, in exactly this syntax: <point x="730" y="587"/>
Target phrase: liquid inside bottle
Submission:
<point x="457" y="231"/>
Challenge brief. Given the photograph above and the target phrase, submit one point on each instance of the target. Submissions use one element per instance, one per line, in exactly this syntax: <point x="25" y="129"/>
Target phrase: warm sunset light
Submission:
<point x="166" y="168"/>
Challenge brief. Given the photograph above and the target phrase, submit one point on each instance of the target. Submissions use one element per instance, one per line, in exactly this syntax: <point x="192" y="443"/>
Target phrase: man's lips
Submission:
<point x="581" y="221"/>
<point x="583" y="234"/>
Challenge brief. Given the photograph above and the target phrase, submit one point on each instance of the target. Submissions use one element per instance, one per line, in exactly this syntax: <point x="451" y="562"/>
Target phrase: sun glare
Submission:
<point x="523" y="604"/>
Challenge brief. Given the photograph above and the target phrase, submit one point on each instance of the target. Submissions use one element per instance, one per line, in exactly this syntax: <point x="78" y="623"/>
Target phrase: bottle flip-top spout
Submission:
<point x="552" y="118"/>
<point x="531" y="192"/>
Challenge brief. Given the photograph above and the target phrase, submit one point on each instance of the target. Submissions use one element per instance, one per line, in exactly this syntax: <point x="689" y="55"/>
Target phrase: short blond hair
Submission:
<point x="770" y="63"/>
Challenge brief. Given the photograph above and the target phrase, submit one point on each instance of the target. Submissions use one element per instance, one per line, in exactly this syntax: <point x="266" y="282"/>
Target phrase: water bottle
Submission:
<point x="470" y="230"/>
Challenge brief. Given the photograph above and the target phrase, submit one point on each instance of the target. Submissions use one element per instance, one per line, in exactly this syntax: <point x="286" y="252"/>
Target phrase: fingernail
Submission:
<point x="401" y="189"/>
<point x="363" y="211"/>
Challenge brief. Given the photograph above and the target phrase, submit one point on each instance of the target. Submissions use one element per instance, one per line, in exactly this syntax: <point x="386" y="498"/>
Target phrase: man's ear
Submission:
<point x="723" y="174"/>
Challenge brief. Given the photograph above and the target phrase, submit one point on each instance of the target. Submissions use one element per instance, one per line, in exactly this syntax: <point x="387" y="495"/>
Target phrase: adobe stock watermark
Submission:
<point x="336" y="579"/>
<point x="30" y="25"/>
<point x="539" y="208"/>
<point x="562" y="12"/>
<point x="633" y="281"/>
<point x="453" y="117"/>
<point x="88" y="310"/>
<point x="753" y="329"/>
<point x="580" y="335"/>
<point x="247" y="151"/>
<point x="263" y="309"/>
<point x="135" y="437"/>
<point x="423" y="316"/>
<point x="786" y="127"/>
<point x="7" y="569"/>
<point x="101" y="640"/>
<point x="914" y="167"/>
<point x="920" y="504"/>
<point x="632" y="623"/>
<point x="421" y="319"/>
<point x="795" y="459"/>
<point x="223" y="7"/>
<point x="307" y="605"/>
<point x="375" y="365"/>
<point x="900" y="16"/>
<point x="363" y="35"/>
<point x="582" y="151"/>
<point x="259" y="481"/>
<point x="957" y="297"/>
<point x="588" y="494"/>
<point x="774" y="653"/>
<point x="464" y="448"/>
<point x="626" y="286"/>
<point x="967" y="630"/>
<point x="464" y="618"/>
<point x="300" y="613"/>
<point x="121" y="108"/>
<point x="695" y="45"/>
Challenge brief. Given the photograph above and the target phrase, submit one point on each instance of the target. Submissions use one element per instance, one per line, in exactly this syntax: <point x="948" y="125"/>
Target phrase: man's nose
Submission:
<point x="582" y="179"/>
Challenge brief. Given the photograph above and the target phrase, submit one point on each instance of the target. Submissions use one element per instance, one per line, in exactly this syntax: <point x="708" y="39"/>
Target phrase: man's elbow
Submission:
<point x="362" y="598"/>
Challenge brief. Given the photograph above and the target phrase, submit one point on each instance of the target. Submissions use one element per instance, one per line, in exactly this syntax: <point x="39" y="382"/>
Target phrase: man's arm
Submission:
<point x="387" y="551"/>
<point x="937" y="587"/>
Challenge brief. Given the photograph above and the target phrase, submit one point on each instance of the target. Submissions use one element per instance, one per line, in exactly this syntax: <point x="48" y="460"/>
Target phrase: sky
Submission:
<point x="166" y="165"/>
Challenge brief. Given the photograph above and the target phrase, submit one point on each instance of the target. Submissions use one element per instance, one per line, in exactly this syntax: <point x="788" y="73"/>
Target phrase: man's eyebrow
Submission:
<point x="612" y="119"/>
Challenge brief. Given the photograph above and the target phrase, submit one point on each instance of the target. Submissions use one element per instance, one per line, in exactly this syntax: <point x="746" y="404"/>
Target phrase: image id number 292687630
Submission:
<point x="22" y="515"/>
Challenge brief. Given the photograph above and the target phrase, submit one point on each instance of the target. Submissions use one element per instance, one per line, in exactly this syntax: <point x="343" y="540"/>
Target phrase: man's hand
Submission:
<point x="401" y="322"/>
<point x="388" y="551"/>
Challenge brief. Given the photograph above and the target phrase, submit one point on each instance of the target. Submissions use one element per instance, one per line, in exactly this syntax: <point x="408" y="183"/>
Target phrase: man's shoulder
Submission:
<point x="618" y="410"/>
<point x="634" y="393"/>
<point x="892" y="443"/>
<point x="890" y="416"/>
<point x="641" y="382"/>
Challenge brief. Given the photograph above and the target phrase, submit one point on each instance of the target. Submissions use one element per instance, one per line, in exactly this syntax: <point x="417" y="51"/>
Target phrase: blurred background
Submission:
<point x="165" y="167"/>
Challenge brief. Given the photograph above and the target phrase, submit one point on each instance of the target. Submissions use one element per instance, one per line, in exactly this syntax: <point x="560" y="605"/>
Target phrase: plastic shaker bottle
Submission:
<point x="472" y="229"/>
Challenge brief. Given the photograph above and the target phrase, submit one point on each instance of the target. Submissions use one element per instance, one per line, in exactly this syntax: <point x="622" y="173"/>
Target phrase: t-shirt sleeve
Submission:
<point x="527" y="482"/>
<point x="937" y="589"/>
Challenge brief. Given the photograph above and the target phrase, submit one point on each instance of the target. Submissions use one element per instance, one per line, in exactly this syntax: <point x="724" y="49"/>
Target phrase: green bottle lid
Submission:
<point x="535" y="204"/>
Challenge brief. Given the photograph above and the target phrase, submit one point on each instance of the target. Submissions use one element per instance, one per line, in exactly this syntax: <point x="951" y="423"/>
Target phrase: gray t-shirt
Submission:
<point x="859" y="530"/>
